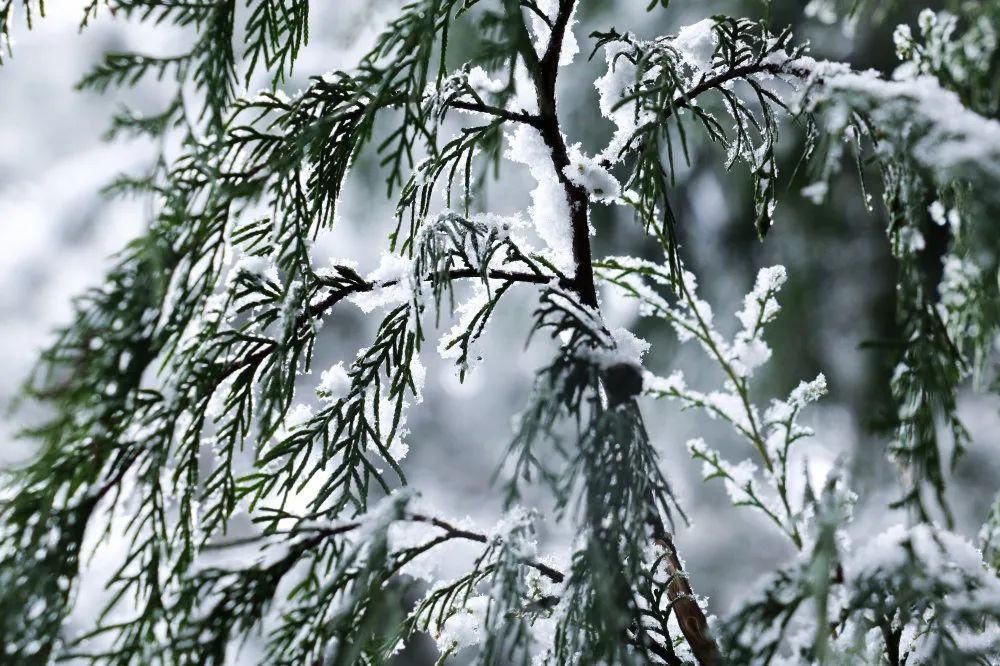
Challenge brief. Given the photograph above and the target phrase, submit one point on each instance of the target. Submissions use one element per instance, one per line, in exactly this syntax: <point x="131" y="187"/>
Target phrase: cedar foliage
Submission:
<point x="192" y="348"/>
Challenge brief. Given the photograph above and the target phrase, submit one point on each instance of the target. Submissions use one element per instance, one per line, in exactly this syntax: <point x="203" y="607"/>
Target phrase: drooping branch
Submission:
<point x="554" y="575"/>
<point x="361" y="286"/>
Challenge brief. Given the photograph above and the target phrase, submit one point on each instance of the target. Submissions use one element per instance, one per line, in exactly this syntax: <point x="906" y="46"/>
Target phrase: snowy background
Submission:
<point x="58" y="233"/>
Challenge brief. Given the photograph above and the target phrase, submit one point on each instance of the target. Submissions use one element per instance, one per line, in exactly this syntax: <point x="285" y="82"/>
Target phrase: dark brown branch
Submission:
<point x="552" y="574"/>
<point x="517" y="117"/>
<point x="690" y="618"/>
<point x="664" y="652"/>
<point x="545" y="71"/>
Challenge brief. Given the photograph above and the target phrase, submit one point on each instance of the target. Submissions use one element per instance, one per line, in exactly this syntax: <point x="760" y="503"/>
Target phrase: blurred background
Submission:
<point x="58" y="233"/>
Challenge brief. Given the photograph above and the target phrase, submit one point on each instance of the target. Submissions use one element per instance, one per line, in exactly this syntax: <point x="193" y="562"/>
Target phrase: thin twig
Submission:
<point x="318" y="533"/>
<point x="517" y="117"/>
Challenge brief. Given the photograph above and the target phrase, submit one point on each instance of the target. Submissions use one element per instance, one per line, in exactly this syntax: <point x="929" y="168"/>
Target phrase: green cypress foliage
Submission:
<point x="183" y="365"/>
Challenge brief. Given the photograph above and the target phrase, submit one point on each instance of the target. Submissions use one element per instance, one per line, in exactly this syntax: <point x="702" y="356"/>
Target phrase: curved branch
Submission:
<point x="554" y="575"/>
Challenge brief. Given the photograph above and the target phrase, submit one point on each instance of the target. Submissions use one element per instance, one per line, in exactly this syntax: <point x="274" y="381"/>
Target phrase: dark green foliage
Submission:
<point x="171" y="394"/>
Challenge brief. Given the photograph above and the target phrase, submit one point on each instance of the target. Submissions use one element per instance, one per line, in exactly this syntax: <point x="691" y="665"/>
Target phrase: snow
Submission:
<point x="938" y="553"/>
<point x="393" y="280"/>
<point x="448" y="346"/>
<point x="540" y="31"/>
<point x="808" y="392"/>
<point x="911" y="240"/>
<point x="334" y="383"/>
<point x="464" y="627"/>
<point x="418" y="373"/>
<point x="926" y="20"/>
<point x="738" y="479"/>
<point x="629" y="346"/>
<point x="619" y="79"/>
<point x="674" y="384"/>
<point x="749" y="351"/>
<point x="956" y="281"/>
<point x="938" y="213"/>
<point x="295" y="418"/>
<point x="435" y="562"/>
<point x="948" y="135"/>
<point x="824" y="11"/>
<point x="748" y="355"/>
<point x="816" y="192"/>
<point x="741" y="478"/>
<point x="588" y="173"/>
<point x="514" y="530"/>
<point x="628" y="350"/>
<point x="696" y="44"/>
<point x="549" y="210"/>
<point x="730" y="406"/>
<point x="480" y="81"/>
<point x="255" y="265"/>
<point x="383" y="411"/>
<point x="217" y="403"/>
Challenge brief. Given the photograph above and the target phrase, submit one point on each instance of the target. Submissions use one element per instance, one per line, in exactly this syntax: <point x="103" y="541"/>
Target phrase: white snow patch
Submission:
<point x="334" y="383"/>
<point x="393" y="280"/>
<point x="549" y="210"/>
<point x="696" y="44"/>
<point x="588" y="173"/>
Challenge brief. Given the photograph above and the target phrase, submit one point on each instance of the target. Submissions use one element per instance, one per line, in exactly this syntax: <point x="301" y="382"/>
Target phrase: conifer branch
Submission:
<point x="179" y="380"/>
<point x="692" y="620"/>
<point x="504" y="114"/>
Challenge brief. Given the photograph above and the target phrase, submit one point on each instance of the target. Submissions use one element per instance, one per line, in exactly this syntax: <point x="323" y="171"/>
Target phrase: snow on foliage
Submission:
<point x="549" y="210"/>
<point x="612" y="90"/>
<point x="696" y="44"/>
<point x="591" y="175"/>
<point x="334" y="383"/>
<point x="180" y="403"/>
<point x="542" y="32"/>
<point x="392" y="282"/>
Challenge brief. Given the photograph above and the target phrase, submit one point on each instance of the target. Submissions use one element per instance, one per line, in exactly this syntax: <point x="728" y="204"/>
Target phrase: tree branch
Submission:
<point x="451" y="531"/>
<point x="685" y="98"/>
<point x="554" y="575"/>
<point x="478" y="107"/>
<point x="544" y="75"/>
<point x="690" y="617"/>
<point x="338" y="294"/>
